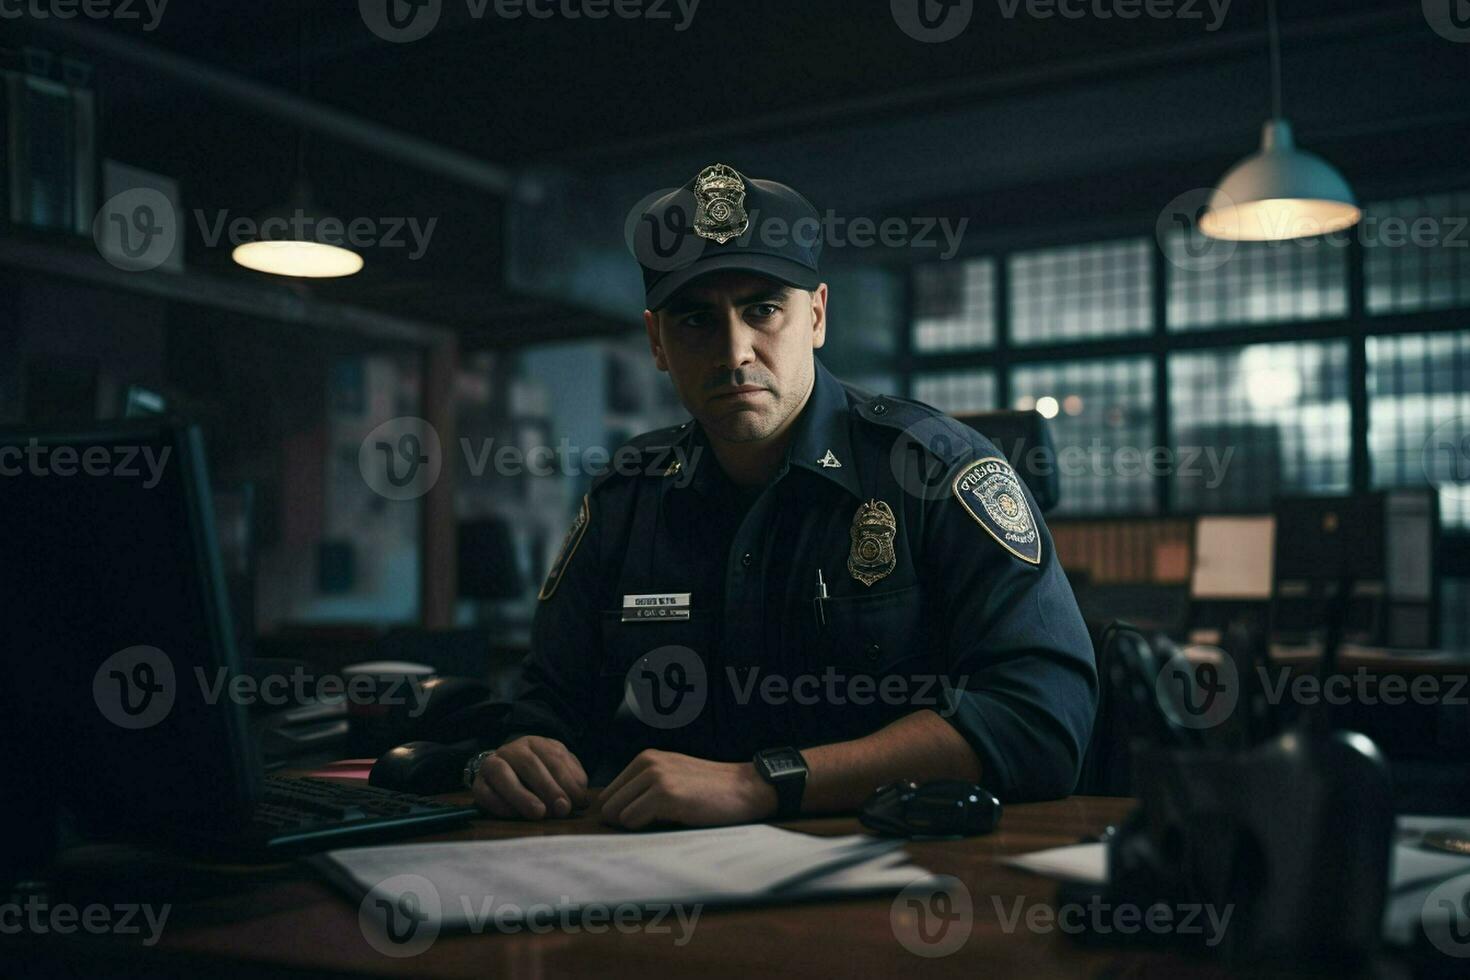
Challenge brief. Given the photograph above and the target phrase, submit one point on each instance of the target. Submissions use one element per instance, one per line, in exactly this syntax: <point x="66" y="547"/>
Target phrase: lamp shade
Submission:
<point x="299" y="240"/>
<point x="1279" y="193"/>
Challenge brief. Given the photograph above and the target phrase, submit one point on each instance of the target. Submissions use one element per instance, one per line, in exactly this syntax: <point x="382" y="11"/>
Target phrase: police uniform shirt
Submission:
<point x="943" y="592"/>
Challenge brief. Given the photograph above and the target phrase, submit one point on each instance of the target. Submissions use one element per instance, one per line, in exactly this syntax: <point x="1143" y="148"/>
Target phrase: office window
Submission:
<point x="1454" y="614"/>
<point x="1101" y="414"/>
<point x="954" y="305"/>
<point x="1416" y="253"/>
<point x="1259" y="282"/>
<point x="1081" y="292"/>
<point x="1419" y="416"/>
<point x="1251" y="422"/>
<point x="956" y="392"/>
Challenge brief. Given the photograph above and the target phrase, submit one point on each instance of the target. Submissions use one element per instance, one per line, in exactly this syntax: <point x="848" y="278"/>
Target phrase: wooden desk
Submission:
<point x="233" y="920"/>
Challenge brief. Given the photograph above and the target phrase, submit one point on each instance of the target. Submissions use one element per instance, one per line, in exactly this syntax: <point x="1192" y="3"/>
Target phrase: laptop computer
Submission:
<point x="122" y="656"/>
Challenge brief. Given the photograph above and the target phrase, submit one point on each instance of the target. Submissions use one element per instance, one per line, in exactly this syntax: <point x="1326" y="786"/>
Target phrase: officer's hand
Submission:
<point x="530" y="778"/>
<point x="666" y="787"/>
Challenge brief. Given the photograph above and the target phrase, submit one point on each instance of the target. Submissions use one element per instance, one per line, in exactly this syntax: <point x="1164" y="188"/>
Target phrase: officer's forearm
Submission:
<point x="920" y="746"/>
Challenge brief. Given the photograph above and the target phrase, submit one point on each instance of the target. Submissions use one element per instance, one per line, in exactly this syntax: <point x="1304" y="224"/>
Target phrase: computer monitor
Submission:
<point x="1384" y="541"/>
<point x="1231" y="575"/>
<point x="118" y="631"/>
<point x="1233" y="558"/>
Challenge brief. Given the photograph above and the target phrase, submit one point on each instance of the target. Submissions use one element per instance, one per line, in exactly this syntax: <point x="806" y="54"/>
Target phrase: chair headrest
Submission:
<point x="1025" y="439"/>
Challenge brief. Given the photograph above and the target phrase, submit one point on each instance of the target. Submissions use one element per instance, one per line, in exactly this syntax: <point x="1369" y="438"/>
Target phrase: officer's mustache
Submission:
<point x="738" y="378"/>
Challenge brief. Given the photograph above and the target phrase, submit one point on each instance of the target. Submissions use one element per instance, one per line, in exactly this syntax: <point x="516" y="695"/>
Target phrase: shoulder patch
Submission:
<point x="568" y="548"/>
<point x="991" y="492"/>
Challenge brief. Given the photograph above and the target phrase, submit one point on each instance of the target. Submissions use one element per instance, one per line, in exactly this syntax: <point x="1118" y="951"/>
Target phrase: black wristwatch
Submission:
<point x="786" y="770"/>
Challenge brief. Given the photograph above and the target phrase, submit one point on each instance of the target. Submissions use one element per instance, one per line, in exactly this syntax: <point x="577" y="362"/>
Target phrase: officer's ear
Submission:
<point x="650" y="323"/>
<point x="819" y="315"/>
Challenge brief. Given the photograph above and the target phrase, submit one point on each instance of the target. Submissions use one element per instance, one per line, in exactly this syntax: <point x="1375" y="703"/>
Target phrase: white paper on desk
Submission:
<point x="1086" y="864"/>
<point x="1414" y="870"/>
<point x="721" y="865"/>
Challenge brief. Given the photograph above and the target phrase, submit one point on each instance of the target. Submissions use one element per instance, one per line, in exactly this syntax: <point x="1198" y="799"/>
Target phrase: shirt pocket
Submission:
<point x="876" y="634"/>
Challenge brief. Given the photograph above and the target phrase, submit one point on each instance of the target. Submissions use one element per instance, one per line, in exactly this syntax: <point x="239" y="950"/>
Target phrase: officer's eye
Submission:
<point x="694" y="320"/>
<point x="764" y="311"/>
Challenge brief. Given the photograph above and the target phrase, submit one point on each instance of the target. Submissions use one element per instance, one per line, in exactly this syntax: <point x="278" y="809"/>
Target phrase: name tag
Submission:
<point x="654" y="608"/>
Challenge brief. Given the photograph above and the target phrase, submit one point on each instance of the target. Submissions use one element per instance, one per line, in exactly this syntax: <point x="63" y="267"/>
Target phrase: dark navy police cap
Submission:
<point x="722" y="222"/>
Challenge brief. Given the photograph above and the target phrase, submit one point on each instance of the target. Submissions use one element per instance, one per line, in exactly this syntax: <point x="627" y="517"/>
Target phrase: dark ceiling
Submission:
<point x="589" y="94"/>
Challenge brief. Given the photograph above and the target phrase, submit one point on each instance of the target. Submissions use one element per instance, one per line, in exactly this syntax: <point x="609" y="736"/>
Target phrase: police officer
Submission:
<point x="803" y="593"/>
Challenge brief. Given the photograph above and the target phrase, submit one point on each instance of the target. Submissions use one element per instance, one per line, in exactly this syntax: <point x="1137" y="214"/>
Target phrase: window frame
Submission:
<point x="1355" y="328"/>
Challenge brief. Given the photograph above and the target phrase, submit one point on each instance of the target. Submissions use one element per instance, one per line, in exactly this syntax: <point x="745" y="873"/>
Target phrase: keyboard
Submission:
<point x="301" y="813"/>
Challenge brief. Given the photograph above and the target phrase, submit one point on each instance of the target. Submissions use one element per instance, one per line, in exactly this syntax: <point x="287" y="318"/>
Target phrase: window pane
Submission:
<point x="1081" y="292"/>
<point x="1418" y="390"/>
<point x="954" y="305"/>
<point x="956" y="392"/>
<point x="1259" y="282"/>
<point x="1416" y="253"/>
<point x="1101" y="415"/>
<point x="1252" y="422"/>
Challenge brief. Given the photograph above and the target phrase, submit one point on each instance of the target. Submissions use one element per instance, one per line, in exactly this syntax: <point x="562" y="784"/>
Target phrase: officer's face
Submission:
<point x="739" y="350"/>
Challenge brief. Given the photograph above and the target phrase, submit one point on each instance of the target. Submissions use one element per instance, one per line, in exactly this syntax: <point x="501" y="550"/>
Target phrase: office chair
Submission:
<point x="1025" y="439"/>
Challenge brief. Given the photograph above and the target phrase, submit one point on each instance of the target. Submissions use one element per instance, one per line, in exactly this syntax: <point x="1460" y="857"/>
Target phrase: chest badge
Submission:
<point x="873" y="528"/>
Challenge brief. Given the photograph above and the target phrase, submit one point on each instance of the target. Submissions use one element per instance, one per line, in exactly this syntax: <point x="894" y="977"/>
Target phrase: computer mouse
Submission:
<point x="422" y="768"/>
<point x="939" y="808"/>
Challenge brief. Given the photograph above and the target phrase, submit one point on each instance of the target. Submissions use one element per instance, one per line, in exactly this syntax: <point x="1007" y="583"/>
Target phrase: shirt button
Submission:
<point x="746" y="559"/>
<point x="879" y="408"/>
<point x="873" y="652"/>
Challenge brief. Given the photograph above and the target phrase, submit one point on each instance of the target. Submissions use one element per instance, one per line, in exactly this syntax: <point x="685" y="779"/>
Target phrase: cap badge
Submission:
<point x="719" y="195"/>
<point x="873" y="530"/>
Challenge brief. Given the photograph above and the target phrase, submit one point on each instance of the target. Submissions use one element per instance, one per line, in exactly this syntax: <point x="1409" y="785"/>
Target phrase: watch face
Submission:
<point x="782" y="762"/>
